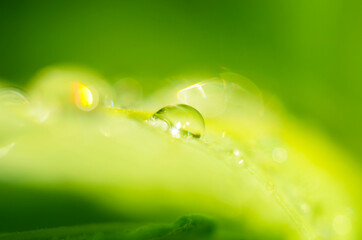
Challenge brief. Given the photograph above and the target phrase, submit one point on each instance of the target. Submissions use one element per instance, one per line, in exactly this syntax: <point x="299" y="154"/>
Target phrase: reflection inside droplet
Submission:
<point x="238" y="158"/>
<point x="241" y="162"/>
<point x="83" y="97"/>
<point x="236" y="152"/>
<point x="61" y="88"/>
<point x="180" y="120"/>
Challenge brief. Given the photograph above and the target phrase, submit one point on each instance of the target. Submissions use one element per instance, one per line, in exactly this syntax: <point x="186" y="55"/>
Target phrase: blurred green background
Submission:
<point x="306" y="52"/>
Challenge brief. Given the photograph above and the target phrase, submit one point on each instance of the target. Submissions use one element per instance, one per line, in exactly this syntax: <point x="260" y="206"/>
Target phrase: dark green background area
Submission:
<point x="307" y="52"/>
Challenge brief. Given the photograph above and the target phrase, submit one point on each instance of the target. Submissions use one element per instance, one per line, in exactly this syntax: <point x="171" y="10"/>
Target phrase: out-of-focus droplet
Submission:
<point x="4" y="150"/>
<point x="180" y="120"/>
<point x="236" y="157"/>
<point x="279" y="155"/>
<point x="269" y="186"/>
<point x="305" y="208"/>
<point x="239" y="158"/>
<point x="231" y="93"/>
<point x="128" y="91"/>
<point x="12" y="96"/>
<point x="342" y="225"/>
<point x="41" y="115"/>
<point x="207" y="96"/>
<point x="83" y="97"/>
<point x="241" y="162"/>
<point x="237" y="153"/>
<point x="66" y="87"/>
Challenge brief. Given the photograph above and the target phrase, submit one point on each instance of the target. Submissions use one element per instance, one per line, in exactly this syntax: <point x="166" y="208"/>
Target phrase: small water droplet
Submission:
<point x="241" y="162"/>
<point x="180" y="120"/>
<point x="279" y="155"/>
<point x="269" y="186"/>
<point x="305" y="208"/>
<point x="237" y="158"/>
<point x="236" y="152"/>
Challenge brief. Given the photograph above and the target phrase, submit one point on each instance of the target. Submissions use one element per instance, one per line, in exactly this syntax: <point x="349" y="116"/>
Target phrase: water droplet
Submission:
<point x="305" y="208"/>
<point x="241" y="162"/>
<point x="269" y="186"/>
<point x="180" y="120"/>
<point x="83" y="97"/>
<point x="231" y="93"/>
<point x="65" y="87"/>
<point x="12" y="96"/>
<point x="342" y="225"/>
<point x="237" y="158"/>
<point x="279" y="155"/>
<point x="237" y="152"/>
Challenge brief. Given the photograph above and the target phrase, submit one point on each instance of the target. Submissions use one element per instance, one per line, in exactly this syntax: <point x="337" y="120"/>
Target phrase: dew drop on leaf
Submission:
<point x="83" y="97"/>
<point x="279" y="155"/>
<point x="269" y="186"/>
<point x="179" y="120"/>
<point x="305" y="208"/>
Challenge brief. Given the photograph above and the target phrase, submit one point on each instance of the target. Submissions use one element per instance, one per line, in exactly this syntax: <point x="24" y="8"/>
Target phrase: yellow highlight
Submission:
<point x="83" y="97"/>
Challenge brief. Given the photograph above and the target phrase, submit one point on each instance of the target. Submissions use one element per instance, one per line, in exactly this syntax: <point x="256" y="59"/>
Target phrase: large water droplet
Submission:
<point x="231" y="93"/>
<point x="180" y="120"/>
<point x="12" y="96"/>
<point x="13" y="105"/>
